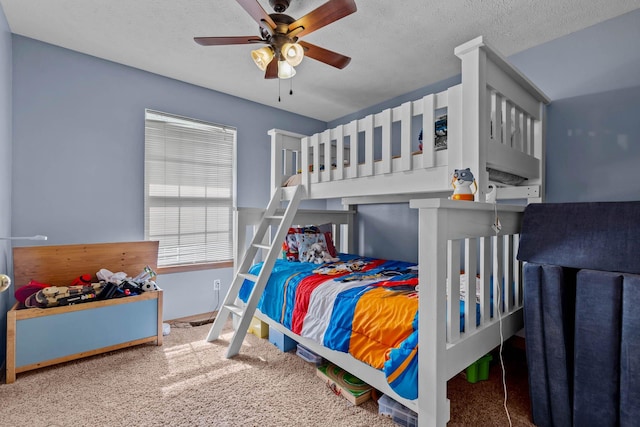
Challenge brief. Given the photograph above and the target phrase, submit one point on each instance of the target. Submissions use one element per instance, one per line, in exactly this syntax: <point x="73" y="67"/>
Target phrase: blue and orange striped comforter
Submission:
<point x="364" y="306"/>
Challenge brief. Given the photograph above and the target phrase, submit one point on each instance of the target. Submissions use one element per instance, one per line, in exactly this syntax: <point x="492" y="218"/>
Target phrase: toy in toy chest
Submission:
<point x="344" y="384"/>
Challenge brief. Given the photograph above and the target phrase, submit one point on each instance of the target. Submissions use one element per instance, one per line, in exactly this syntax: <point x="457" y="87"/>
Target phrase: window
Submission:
<point x="189" y="181"/>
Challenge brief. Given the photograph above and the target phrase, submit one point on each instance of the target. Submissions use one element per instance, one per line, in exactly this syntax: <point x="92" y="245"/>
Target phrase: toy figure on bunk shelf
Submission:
<point x="462" y="180"/>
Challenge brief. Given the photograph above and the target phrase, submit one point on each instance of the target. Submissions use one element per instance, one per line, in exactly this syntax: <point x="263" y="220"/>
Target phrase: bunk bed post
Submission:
<point x="539" y="150"/>
<point x="433" y="406"/>
<point x="349" y="240"/>
<point x="475" y="112"/>
<point x="454" y="129"/>
<point x="283" y="146"/>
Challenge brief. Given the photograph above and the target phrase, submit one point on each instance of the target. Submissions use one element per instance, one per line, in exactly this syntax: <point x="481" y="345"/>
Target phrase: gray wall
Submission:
<point x="6" y="298"/>
<point x="78" y="152"/>
<point x="593" y="128"/>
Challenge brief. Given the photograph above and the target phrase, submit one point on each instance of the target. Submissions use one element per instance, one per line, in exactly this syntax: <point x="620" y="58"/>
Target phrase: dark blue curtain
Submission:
<point x="582" y="318"/>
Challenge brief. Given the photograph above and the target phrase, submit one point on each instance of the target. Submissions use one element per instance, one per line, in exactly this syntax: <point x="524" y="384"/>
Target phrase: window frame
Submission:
<point x="222" y="263"/>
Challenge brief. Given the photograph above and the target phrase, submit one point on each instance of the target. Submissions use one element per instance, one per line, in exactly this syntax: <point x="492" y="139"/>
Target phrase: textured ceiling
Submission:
<point x="396" y="46"/>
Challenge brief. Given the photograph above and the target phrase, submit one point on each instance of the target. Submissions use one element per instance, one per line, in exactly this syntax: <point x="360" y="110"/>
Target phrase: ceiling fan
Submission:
<point x="281" y="34"/>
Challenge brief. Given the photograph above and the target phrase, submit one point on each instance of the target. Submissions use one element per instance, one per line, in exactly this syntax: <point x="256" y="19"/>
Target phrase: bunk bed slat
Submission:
<point x="315" y="149"/>
<point x="385" y="124"/>
<point x="304" y="166"/>
<point x="517" y="131"/>
<point x="339" y="137"/>
<point x="496" y="117"/>
<point x="367" y="127"/>
<point x="325" y="139"/>
<point x="507" y="126"/>
<point x="428" y="131"/>
<point x="453" y="291"/>
<point x="508" y="273"/>
<point x="517" y="274"/>
<point x="498" y="275"/>
<point x="352" y="133"/>
<point x="405" y="136"/>
<point x="485" y="280"/>
<point x="470" y="268"/>
<point x="525" y="134"/>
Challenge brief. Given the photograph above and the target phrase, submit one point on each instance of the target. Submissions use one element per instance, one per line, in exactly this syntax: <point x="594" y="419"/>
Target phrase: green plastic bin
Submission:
<point x="479" y="370"/>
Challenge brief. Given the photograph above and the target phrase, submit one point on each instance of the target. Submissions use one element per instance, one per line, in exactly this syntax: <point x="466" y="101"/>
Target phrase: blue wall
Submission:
<point x="78" y="131"/>
<point x="593" y="127"/>
<point x="78" y="141"/>
<point x="5" y="170"/>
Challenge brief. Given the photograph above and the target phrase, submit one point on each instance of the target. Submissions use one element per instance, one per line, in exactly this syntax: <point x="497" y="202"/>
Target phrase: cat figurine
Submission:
<point x="462" y="180"/>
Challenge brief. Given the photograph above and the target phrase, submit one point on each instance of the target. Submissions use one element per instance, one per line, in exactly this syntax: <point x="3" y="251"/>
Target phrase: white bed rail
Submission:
<point x="351" y="148"/>
<point x="495" y="120"/>
<point x="455" y="236"/>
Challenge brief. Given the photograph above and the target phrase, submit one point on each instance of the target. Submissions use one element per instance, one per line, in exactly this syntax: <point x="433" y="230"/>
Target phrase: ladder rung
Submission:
<point x="261" y="246"/>
<point x="235" y="309"/>
<point x="249" y="276"/>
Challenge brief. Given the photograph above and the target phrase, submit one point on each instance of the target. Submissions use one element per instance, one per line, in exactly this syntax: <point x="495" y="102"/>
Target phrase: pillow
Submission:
<point x="327" y="230"/>
<point x="299" y="239"/>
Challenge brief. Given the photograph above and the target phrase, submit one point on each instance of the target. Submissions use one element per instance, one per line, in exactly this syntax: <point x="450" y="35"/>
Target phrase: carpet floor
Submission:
<point x="189" y="382"/>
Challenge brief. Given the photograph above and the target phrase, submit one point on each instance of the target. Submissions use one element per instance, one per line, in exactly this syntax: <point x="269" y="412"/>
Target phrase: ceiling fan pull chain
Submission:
<point x="291" y="86"/>
<point x="279" y="80"/>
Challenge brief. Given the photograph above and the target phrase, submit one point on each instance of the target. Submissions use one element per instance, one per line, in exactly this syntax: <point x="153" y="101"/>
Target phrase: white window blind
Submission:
<point x="189" y="189"/>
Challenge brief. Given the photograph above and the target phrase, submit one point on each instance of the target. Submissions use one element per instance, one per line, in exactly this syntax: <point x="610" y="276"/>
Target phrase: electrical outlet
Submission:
<point x="216" y="285"/>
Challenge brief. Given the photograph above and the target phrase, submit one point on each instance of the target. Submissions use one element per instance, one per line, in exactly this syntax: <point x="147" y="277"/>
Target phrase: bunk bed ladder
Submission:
<point x="232" y="305"/>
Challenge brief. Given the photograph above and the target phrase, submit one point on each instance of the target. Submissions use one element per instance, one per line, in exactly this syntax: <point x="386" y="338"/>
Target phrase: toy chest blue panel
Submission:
<point x="283" y="342"/>
<point x="50" y="337"/>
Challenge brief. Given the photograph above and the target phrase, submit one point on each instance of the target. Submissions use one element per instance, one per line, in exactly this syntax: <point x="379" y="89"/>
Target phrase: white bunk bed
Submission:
<point x="453" y="235"/>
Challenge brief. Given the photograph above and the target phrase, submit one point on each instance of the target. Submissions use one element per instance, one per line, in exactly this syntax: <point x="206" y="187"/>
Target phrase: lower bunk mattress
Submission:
<point x="363" y="306"/>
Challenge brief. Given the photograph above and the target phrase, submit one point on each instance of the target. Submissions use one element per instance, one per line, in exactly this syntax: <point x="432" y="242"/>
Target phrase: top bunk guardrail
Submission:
<point x="492" y="123"/>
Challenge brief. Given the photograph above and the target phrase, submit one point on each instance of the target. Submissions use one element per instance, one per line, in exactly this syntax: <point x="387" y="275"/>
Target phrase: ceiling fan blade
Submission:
<point x="324" y="55"/>
<point x="220" y="41"/>
<point x="272" y="70"/>
<point x="256" y="11"/>
<point x="323" y="15"/>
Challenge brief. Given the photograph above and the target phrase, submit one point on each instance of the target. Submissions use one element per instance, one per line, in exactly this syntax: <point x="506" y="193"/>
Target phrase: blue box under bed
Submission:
<point x="280" y="340"/>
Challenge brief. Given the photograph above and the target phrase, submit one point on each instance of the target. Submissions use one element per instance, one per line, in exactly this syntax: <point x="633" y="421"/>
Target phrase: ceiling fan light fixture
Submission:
<point x="293" y="53"/>
<point x="262" y="57"/>
<point x="285" y="70"/>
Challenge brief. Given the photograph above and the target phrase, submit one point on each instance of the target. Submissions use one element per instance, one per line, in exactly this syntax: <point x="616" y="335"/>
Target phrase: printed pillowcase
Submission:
<point x="299" y="240"/>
